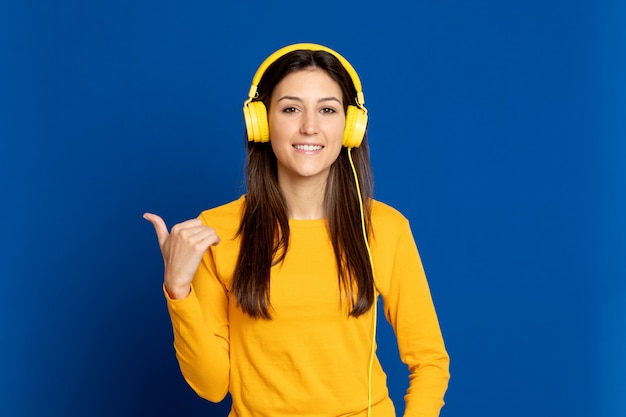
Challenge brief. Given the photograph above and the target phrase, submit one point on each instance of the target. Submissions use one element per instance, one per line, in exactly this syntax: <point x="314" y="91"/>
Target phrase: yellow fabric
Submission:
<point x="310" y="359"/>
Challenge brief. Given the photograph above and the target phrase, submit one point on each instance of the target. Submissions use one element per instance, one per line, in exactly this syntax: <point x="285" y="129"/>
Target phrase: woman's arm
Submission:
<point x="201" y="333"/>
<point x="197" y="303"/>
<point x="410" y="310"/>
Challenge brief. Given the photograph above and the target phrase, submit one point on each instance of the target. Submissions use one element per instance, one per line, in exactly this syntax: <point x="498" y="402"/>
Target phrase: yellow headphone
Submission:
<point x="255" y="113"/>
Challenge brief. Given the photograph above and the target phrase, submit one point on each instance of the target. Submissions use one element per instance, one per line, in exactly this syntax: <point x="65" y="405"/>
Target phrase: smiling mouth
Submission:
<point x="308" y="147"/>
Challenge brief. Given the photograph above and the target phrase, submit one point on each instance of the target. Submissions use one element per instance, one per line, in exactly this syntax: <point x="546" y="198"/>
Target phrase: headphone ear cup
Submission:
<point x="257" y="127"/>
<point x="247" y="117"/>
<point x="356" y="123"/>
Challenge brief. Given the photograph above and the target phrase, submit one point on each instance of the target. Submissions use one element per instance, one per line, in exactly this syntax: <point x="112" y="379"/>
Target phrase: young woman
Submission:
<point x="273" y="296"/>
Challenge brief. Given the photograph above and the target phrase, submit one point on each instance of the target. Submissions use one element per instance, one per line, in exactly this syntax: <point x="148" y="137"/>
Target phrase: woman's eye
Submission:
<point x="328" y="110"/>
<point x="290" y="110"/>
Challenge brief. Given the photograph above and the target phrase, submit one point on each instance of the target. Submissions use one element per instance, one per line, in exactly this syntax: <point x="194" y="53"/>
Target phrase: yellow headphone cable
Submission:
<point x="375" y="306"/>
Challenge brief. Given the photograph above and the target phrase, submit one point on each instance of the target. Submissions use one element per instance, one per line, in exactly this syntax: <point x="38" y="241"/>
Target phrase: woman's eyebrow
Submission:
<point x="323" y="99"/>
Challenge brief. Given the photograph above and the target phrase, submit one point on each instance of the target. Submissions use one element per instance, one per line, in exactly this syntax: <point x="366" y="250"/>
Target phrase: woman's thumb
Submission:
<point x="159" y="226"/>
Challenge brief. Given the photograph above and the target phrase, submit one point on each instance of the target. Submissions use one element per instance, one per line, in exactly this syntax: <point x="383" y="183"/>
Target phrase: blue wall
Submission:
<point x="497" y="127"/>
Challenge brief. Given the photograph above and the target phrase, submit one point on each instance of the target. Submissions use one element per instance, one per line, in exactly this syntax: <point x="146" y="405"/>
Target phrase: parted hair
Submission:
<point x="264" y="227"/>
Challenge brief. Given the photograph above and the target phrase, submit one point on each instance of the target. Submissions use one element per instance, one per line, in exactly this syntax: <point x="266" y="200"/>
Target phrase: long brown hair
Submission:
<point x="264" y="228"/>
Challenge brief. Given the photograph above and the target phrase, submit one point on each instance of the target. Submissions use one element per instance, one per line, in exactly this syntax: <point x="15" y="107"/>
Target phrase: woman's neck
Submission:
<point x="305" y="199"/>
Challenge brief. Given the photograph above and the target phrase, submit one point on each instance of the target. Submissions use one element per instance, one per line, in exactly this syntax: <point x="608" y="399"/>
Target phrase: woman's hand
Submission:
<point x="182" y="251"/>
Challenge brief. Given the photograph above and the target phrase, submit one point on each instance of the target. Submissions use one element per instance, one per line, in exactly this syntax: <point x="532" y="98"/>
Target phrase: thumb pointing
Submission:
<point x="159" y="226"/>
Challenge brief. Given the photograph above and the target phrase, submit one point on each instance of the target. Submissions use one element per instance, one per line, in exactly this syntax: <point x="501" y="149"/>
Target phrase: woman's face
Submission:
<point x="306" y="124"/>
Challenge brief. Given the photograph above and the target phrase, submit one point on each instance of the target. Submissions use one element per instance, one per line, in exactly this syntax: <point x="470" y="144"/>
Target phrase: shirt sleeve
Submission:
<point x="201" y="333"/>
<point x="410" y="310"/>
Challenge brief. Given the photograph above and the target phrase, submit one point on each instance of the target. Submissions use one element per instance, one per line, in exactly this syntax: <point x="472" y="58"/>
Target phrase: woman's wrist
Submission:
<point x="179" y="292"/>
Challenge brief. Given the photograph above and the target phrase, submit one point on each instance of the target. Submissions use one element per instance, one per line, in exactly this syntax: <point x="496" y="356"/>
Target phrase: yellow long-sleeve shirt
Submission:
<point x="310" y="359"/>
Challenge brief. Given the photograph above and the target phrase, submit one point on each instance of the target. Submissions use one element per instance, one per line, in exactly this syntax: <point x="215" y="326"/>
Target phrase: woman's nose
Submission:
<point x="310" y="125"/>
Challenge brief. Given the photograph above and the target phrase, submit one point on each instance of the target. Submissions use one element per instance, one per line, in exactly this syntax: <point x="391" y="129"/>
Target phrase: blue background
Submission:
<point x="497" y="128"/>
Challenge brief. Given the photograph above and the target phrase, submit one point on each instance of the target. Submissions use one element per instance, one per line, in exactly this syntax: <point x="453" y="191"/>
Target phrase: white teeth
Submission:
<point x="308" y="147"/>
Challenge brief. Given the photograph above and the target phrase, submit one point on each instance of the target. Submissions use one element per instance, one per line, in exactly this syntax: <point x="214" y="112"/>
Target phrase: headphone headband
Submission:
<point x="252" y="93"/>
